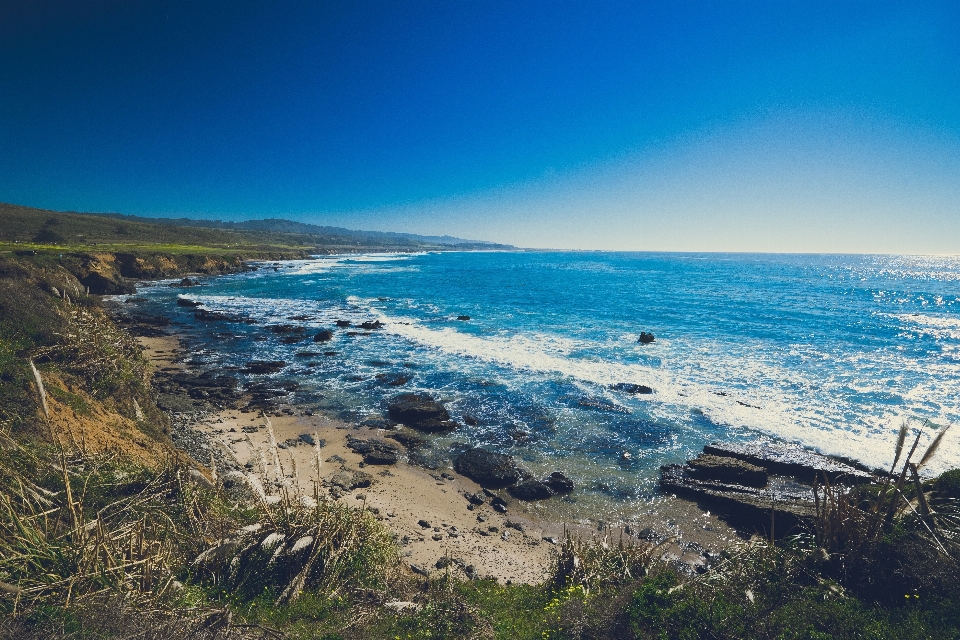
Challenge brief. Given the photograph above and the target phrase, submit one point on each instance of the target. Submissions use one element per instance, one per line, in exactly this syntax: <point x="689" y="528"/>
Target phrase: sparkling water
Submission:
<point x="830" y="351"/>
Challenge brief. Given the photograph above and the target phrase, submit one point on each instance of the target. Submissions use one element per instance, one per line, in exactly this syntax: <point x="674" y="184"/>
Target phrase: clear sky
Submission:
<point x="721" y="126"/>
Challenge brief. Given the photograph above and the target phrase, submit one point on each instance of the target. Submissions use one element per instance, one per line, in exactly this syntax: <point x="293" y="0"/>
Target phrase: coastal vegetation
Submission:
<point x="107" y="531"/>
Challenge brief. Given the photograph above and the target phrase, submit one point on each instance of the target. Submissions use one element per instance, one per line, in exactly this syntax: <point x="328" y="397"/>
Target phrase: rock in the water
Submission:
<point x="601" y="404"/>
<point x="558" y="482"/>
<point x="627" y="387"/>
<point x="645" y="338"/>
<point x="186" y="302"/>
<point x="324" y="335"/>
<point x="790" y="459"/>
<point x="371" y="325"/>
<point x="409" y="440"/>
<point x="374" y="451"/>
<point x="730" y="470"/>
<point x="187" y="282"/>
<point x="530" y="490"/>
<point x="463" y="318"/>
<point x="421" y="412"/>
<point x="791" y="503"/>
<point x="264" y="366"/>
<point x="486" y="468"/>
<point x="343" y="323"/>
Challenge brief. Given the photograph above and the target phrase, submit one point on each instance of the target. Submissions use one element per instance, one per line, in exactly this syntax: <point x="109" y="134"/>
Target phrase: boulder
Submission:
<point x="729" y="470"/>
<point x="371" y="325"/>
<point x="645" y="338"/>
<point x="186" y="302"/>
<point x="420" y="411"/>
<point x="486" y="468"/>
<point x="324" y="335"/>
<point x="558" y="482"/>
<point x="343" y="323"/>
<point x="463" y="318"/>
<point x="627" y="387"/>
<point x="530" y="490"/>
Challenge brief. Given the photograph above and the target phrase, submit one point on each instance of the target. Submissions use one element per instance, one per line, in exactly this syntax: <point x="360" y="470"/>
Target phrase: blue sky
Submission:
<point x="722" y="126"/>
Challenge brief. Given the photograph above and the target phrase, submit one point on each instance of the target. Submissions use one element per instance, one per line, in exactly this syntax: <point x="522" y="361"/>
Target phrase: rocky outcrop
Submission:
<point x="645" y="338"/>
<point x="421" y="412"/>
<point x="791" y="459"/>
<point x="729" y="470"/>
<point x="324" y="335"/>
<point x="758" y="486"/>
<point x="486" y="468"/>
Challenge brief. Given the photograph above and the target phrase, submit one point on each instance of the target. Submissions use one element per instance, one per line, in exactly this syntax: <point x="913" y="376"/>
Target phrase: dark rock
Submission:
<point x="305" y="354"/>
<point x="790" y="503"/>
<point x="790" y="459"/>
<point x="645" y="338"/>
<point x="601" y="404"/>
<point x="486" y="468"/>
<point x="393" y="379"/>
<point x="628" y="387"/>
<point x="343" y="323"/>
<point x="558" y="482"/>
<point x="443" y="563"/>
<point x="187" y="282"/>
<point x="291" y="339"/>
<point x="185" y="302"/>
<point x="371" y="325"/>
<point x="264" y="366"/>
<point x="409" y="440"/>
<point x="530" y="490"/>
<point x="729" y="470"/>
<point x="463" y="318"/>
<point x="470" y="420"/>
<point x="349" y="480"/>
<point x="374" y="451"/>
<point x="307" y="438"/>
<point x="499" y="505"/>
<point x="475" y="498"/>
<point x="102" y="285"/>
<point x="420" y="570"/>
<point x="425" y="524"/>
<point x="323" y="336"/>
<point x="420" y="412"/>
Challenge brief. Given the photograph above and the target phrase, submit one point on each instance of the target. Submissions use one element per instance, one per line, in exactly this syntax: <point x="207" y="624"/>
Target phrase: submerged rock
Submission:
<point x="486" y="468"/>
<point x="324" y="335"/>
<point x="264" y="366"/>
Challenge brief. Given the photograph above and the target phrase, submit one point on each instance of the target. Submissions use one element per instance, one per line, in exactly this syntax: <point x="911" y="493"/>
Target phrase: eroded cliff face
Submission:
<point x="109" y="273"/>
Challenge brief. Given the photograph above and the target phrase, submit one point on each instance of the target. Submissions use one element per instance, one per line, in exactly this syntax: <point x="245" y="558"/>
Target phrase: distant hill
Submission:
<point x="28" y="225"/>
<point x="279" y="225"/>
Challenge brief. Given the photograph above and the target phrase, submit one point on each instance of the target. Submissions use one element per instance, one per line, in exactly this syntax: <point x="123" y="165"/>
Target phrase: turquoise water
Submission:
<point x="829" y="351"/>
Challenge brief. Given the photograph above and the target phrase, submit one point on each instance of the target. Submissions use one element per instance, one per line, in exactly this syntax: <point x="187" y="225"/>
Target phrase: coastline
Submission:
<point x="475" y="541"/>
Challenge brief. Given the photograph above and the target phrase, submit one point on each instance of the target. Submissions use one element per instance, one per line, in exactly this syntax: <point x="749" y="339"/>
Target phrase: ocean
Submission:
<point x="830" y="351"/>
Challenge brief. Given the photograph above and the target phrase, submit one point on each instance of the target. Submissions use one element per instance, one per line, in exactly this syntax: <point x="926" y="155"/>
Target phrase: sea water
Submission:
<point x="830" y="351"/>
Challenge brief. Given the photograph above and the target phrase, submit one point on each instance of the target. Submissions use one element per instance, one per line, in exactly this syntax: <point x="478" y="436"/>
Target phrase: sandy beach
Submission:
<point x="428" y="510"/>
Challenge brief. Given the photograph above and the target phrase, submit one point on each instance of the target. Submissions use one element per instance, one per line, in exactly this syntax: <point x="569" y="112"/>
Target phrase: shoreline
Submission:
<point x="474" y="541"/>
